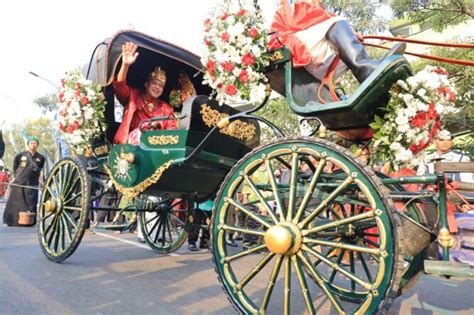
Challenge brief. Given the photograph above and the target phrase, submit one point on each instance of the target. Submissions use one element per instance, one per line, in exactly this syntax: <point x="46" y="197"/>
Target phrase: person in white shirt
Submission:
<point x="444" y="153"/>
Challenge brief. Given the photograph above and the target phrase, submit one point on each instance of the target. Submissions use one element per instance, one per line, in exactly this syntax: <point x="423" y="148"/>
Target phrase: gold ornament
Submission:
<point x="163" y="140"/>
<point x="158" y="74"/>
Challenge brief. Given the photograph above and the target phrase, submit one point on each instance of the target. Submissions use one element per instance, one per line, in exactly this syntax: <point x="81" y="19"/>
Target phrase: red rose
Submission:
<point x="241" y="12"/>
<point x="228" y="66"/>
<point x="413" y="148"/>
<point x="244" y="76"/>
<point x="211" y="66"/>
<point x="224" y="16"/>
<point x="70" y="129"/>
<point x="85" y="100"/>
<point x="78" y="92"/>
<point x="247" y="59"/>
<point x="62" y="82"/>
<point x="225" y="36"/>
<point x="61" y="97"/>
<point x="207" y="41"/>
<point x="253" y="33"/>
<point x="207" y="25"/>
<point x="419" y="120"/>
<point x="432" y="114"/>
<point x="440" y="70"/>
<point x="230" y="89"/>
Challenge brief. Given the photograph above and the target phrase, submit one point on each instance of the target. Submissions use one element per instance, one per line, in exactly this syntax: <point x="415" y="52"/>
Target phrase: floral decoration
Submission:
<point x="234" y="51"/>
<point x="80" y="110"/>
<point x="413" y="117"/>
<point x="186" y="89"/>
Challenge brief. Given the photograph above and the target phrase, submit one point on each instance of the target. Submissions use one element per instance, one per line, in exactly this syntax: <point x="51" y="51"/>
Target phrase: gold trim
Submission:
<point x="163" y="140"/>
<point x="129" y="157"/>
<point x="236" y="129"/>
<point x="445" y="239"/>
<point x="132" y="192"/>
<point x="277" y="55"/>
<point x="103" y="149"/>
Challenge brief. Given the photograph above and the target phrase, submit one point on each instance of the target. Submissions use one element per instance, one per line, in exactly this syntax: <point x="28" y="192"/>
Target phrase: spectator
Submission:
<point x="200" y="222"/>
<point x="27" y="167"/>
<point x="3" y="182"/>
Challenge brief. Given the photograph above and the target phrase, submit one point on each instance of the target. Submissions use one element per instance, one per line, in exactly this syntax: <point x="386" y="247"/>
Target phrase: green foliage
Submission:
<point x="437" y="14"/>
<point x="361" y="14"/>
<point x="14" y="142"/>
<point x="279" y="113"/>
<point x="47" y="102"/>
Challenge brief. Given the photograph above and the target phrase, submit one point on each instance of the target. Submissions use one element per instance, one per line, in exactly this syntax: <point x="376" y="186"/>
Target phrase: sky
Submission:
<point x="50" y="37"/>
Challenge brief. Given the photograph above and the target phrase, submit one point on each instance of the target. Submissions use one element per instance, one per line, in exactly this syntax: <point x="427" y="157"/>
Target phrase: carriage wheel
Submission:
<point x="341" y="233"/>
<point x="413" y="265"/>
<point x="165" y="225"/>
<point x="64" y="209"/>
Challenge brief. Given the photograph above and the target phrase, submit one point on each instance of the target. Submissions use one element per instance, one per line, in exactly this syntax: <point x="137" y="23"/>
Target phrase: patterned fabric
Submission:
<point x="136" y="111"/>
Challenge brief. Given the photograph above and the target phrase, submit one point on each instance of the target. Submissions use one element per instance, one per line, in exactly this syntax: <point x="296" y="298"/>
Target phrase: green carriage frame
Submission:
<point x="309" y="225"/>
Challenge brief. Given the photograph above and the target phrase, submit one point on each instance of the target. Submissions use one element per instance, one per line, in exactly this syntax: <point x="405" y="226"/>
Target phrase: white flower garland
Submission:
<point x="80" y="110"/>
<point x="414" y="117"/>
<point x="235" y="45"/>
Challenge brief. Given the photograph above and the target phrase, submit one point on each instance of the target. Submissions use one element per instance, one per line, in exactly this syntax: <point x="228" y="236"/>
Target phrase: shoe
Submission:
<point x="192" y="247"/>
<point x="141" y="240"/>
<point x="352" y="52"/>
<point x="231" y="243"/>
<point x="204" y="245"/>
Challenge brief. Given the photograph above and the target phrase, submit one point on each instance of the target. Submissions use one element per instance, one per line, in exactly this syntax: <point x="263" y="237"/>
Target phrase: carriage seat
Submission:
<point x="357" y="111"/>
<point x="200" y="114"/>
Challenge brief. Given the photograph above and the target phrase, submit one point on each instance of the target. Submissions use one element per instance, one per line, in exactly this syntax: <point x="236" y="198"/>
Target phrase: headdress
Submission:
<point x="33" y="138"/>
<point x="158" y="74"/>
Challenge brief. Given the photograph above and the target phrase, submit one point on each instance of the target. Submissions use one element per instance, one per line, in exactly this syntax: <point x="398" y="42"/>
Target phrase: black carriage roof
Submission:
<point x="152" y="52"/>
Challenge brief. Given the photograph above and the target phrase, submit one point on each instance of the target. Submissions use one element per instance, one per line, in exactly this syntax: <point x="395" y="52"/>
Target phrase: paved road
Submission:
<point x="112" y="274"/>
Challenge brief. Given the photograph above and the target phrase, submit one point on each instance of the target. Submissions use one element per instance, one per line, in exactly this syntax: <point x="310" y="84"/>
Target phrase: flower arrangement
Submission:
<point x="413" y="117"/>
<point x="234" y="51"/>
<point x="80" y="110"/>
<point x="186" y="89"/>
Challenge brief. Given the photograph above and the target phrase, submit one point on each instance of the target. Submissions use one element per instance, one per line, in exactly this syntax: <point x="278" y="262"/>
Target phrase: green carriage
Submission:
<point x="330" y="236"/>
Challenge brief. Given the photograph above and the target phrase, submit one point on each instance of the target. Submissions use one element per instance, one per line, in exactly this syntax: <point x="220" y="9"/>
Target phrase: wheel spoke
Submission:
<point x="276" y="194"/>
<point x="73" y="208"/>
<point x="46" y="216"/>
<point x="248" y="212"/>
<point x="271" y="284"/>
<point x="304" y="286"/>
<point x="326" y="201"/>
<point x="73" y="187"/>
<point x="249" y="251"/>
<point x="168" y="225"/>
<point x="154" y="218"/>
<point x="157" y="234"/>
<point x="71" y="220"/>
<point x="50" y="192"/>
<point x="56" y="185"/>
<point x="319" y="280"/>
<point x="310" y="190"/>
<point x="68" y="230"/>
<point x="287" y="294"/>
<point x="351" y="247"/>
<point x="261" y="264"/>
<point x="260" y="198"/>
<point x="340" y="256"/>
<point x="74" y="197"/>
<point x="338" y="268"/>
<point x="233" y="228"/>
<point x="337" y="223"/>
<point x="48" y="228"/>
<point x="293" y="186"/>
<point x="52" y="229"/>
<point x="163" y="233"/>
<point x="69" y="186"/>
<point x="366" y="268"/>
<point x="352" y="269"/>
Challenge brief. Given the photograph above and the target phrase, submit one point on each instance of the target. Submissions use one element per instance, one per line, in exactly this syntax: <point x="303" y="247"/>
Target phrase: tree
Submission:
<point x="279" y="113"/>
<point x="47" y="102"/>
<point x="438" y="14"/>
<point x="361" y="14"/>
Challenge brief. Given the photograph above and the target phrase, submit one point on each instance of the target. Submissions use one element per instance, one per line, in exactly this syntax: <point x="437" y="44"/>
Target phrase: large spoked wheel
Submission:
<point x="165" y="224"/>
<point x="64" y="209"/>
<point x="341" y="232"/>
<point x="413" y="264"/>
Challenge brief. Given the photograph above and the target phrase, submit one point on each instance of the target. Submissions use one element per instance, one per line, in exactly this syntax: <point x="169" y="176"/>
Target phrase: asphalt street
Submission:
<point x="114" y="274"/>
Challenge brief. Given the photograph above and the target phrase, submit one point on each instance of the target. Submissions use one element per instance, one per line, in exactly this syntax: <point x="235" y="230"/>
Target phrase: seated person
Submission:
<point x="314" y="35"/>
<point x="140" y="105"/>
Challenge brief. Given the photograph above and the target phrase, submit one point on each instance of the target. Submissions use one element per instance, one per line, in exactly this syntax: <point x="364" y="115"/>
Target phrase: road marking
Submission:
<point x="129" y="242"/>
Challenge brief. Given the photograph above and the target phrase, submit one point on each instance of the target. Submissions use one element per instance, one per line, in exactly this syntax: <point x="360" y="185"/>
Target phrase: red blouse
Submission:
<point x="136" y="111"/>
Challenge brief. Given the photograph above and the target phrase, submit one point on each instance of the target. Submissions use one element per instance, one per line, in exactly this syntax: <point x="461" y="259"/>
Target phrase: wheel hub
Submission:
<point x="50" y="206"/>
<point x="284" y="239"/>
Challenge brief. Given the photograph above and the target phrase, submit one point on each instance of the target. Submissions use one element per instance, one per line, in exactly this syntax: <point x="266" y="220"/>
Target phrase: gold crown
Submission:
<point x="158" y="74"/>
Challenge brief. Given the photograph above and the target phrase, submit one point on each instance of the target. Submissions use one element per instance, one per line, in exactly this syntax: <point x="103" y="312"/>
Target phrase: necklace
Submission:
<point x="149" y="103"/>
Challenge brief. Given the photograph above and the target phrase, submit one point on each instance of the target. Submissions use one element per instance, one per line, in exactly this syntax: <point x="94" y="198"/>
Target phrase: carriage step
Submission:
<point x="448" y="268"/>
